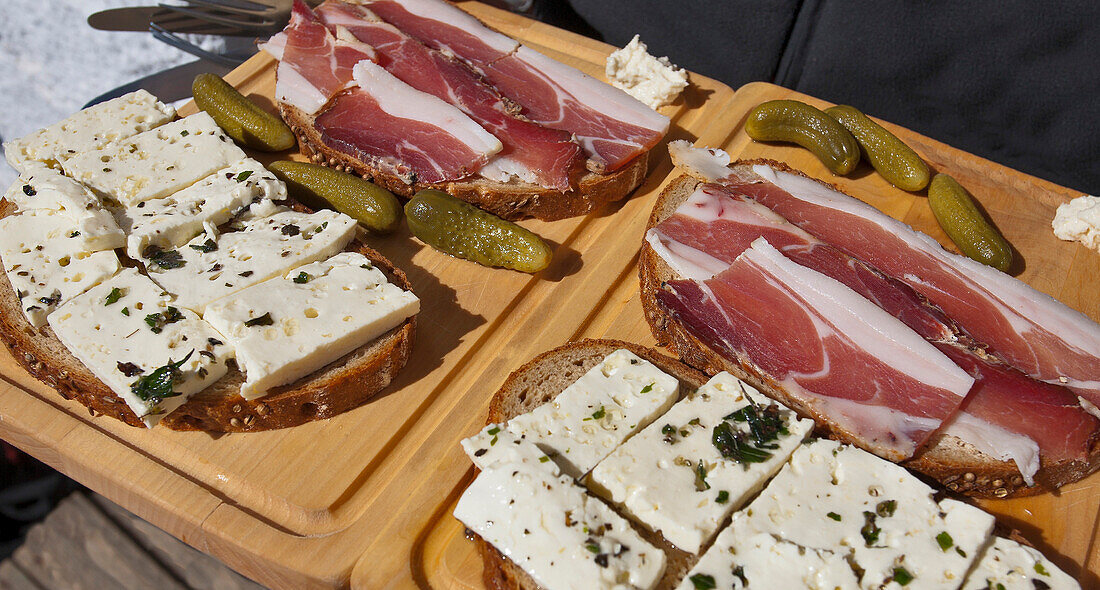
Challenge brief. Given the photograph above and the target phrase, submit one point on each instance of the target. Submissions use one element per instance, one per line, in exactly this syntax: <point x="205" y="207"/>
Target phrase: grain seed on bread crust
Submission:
<point x="512" y="200"/>
<point x="956" y="464"/>
<point x="337" y="387"/>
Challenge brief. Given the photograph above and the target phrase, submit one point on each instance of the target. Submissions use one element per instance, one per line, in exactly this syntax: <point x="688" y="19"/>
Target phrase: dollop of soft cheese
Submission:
<point x="652" y="80"/>
<point x="1079" y="220"/>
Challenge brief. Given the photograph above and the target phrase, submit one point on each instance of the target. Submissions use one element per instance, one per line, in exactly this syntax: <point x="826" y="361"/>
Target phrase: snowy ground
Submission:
<point x="52" y="62"/>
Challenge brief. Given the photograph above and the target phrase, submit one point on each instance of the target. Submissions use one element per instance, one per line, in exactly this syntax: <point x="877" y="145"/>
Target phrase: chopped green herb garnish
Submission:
<point x="597" y="415"/>
<point x="701" y="477"/>
<point x="1039" y="569"/>
<point x="126" y="311"/>
<point x="668" y="429"/>
<point x="543" y="459"/>
<point x="834" y="516"/>
<point x="723" y="497"/>
<point x="494" y="430"/>
<point x="734" y="446"/>
<point x="945" y="540"/>
<point x="184" y="133"/>
<point x="243" y="176"/>
<point x="594" y="548"/>
<point x="29" y="190"/>
<point x="647" y="388"/>
<point x="703" y="582"/>
<point x="113" y="296"/>
<point x="205" y="247"/>
<point x="302" y="278"/>
<point x="902" y="576"/>
<point x="167" y="259"/>
<point x="765" y="424"/>
<point x="870" y="530"/>
<point x="157" y="321"/>
<point x="960" y="551"/>
<point x="493" y="442"/>
<point x="886" y="508"/>
<point x="158" y="385"/>
<point x="264" y="320"/>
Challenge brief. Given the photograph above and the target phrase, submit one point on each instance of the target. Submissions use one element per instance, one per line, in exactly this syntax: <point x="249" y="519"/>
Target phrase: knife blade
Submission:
<point x="137" y="18"/>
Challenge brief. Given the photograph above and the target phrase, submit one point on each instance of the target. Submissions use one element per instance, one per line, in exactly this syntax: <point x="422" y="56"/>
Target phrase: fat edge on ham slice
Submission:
<point x="1031" y="330"/>
<point x="531" y="152"/>
<point x="612" y="126"/>
<point x="313" y="64"/>
<point x="405" y="132"/>
<point x="832" y="351"/>
<point x="1006" y="415"/>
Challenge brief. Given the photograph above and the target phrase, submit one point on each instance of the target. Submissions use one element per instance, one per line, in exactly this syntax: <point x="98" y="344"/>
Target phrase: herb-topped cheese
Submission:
<point x="687" y="471"/>
<point x="206" y="269"/>
<point x="288" y="327"/>
<point x="151" y="353"/>
<point x="495" y="445"/>
<point x="1009" y="565"/>
<point x="175" y="219"/>
<point x="608" y="404"/>
<point x="158" y="162"/>
<point x="42" y="188"/>
<point x="740" y="558"/>
<point x="90" y="129"/>
<point x="557" y="533"/>
<point x="831" y="496"/>
<point x="49" y="262"/>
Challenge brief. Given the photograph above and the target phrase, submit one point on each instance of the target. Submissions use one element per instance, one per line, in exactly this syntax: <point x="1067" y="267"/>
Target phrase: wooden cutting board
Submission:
<point x="365" y="498"/>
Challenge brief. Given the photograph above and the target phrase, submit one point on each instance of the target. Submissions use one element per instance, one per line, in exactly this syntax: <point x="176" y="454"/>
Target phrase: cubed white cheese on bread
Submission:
<point x="608" y="404"/>
<point x="494" y="445"/>
<point x="200" y="271"/>
<point x="90" y="129"/>
<point x="558" y="534"/>
<point x="42" y="188"/>
<point x="126" y="329"/>
<point x="158" y="162"/>
<point x="831" y="495"/>
<point x="173" y="220"/>
<point x="48" y="262"/>
<point x="673" y="478"/>
<point x="741" y="558"/>
<point x="1009" y="565"/>
<point x="288" y="327"/>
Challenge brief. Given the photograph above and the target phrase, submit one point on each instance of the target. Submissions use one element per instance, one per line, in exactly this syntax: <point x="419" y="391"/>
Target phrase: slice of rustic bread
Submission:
<point x="335" y="388"/>
<point x="511" y="200"/>
<point x="539" y="381"/>
<point x="953" y="462"/>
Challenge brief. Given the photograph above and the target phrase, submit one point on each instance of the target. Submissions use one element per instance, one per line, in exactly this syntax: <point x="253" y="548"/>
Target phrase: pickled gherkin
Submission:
<point x="242" y="119"/>
<point x="891" y="158"/>
<point x="371" y="205"/>
<point x="464" y="231"/>
<point x="964" y="223"/>
<point x="807" y="126"/>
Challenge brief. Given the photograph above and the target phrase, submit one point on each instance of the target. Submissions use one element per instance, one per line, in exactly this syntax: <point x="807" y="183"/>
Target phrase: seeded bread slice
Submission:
<point x="539" y="381"/>
<point x="511" y="200"/>
<point x="956" y="464"/>
<point x="335" y="388"/>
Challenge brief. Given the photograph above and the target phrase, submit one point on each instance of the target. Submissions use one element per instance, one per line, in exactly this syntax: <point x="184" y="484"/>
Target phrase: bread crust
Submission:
<point x="952" y="462"/>
<point x="338" y="387"/>
<point x="512" y="200"/>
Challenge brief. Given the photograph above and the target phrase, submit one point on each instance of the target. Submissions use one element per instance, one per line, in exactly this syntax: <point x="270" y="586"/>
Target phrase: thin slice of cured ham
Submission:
<point x="1009" y="415"/>
<point x="612" y="126"/>
<point x="533" y="153"/>
<point x="313" y="64"/>
<point x="1031" y="330"/>
<point x="403" y="131"/>
<point x="828" y="348"/>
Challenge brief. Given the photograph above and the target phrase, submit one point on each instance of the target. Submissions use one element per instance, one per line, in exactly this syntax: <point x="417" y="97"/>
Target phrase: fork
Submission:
<point x="245" y="17"/>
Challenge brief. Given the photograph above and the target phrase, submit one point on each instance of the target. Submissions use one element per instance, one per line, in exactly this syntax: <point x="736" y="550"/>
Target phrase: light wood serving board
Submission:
<point x="365" y="498"/>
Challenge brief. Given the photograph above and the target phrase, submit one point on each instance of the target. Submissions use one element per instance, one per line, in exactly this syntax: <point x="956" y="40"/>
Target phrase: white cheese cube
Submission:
<point x="741" y="559"/>
<point x="42" y="188"/>
<point x="672" y="478"/>
<point x="608" y="404"/>
<point x="158" y="162"/>
<point x="560" y="536"/>
<point x="175" y="219"/>
<point x="90" y="129"/>
<point x="126" y="328"/>
<point x="266" y="247"/>
<point x="831" y="495"/>
<point x="288" y="327"/>
<point x="494" y="445"/>
<point x="48" y="262"/>
<point x="1009" y="565"/>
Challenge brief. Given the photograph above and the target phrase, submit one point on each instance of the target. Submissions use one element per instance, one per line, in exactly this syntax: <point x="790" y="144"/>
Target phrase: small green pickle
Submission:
<point x="242" y="119"/>
<point x="894" y="161"/>
<point x="964" y="223"/>
<point x="797" y="122"/>
<point x="371" y="205"/>
<point x="462" y="230"/>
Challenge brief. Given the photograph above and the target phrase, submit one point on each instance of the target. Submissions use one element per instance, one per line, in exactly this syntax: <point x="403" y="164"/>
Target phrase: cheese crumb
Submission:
<point x="654" y="81"/>
<point x="1079" y="220"/>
